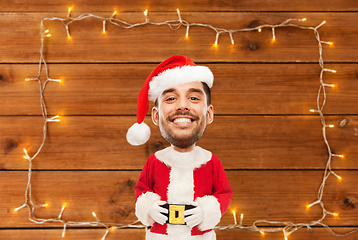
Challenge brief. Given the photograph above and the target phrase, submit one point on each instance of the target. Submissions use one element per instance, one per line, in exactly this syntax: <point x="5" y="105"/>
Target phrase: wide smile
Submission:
<point x="182" y="120"/>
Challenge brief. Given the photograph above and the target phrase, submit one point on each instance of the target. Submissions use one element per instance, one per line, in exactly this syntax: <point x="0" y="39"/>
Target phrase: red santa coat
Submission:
<point x="183" y="178"/>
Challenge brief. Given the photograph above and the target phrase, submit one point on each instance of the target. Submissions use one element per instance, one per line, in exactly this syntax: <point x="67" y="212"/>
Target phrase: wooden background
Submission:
<point x="269" y="143"/>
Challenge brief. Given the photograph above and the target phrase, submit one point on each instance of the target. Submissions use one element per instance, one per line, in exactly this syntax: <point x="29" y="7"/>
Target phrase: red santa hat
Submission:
<point x="173" y="71"/>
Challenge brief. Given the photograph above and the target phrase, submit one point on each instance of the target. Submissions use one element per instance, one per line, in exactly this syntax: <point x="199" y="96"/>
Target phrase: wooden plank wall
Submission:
<point x="269" y="143"/>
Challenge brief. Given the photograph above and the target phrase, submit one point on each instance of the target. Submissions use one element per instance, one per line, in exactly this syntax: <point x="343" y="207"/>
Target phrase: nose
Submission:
<point x="182" y="104"/>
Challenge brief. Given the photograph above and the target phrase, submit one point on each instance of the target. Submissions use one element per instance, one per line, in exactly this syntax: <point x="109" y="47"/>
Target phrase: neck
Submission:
<point x="188" y="149"/>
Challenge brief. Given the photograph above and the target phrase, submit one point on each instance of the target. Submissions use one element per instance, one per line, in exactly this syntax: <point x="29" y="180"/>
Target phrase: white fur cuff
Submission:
<point x="142" y="207"/>
<point x="212" y="213"/>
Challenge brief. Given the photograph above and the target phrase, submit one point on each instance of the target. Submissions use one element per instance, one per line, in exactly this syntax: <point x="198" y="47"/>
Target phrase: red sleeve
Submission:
<point x="221" y="189"/>
<point x="145" y="181"/>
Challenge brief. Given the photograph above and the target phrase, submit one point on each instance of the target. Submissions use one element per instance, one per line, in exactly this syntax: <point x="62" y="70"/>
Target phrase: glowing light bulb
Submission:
<point x="69" y="37"/>
<point x="335" y="214"/>
<point x="262" y="233"/>
<point x="69" y="11"/>
<point x="104" y="26"/>
<point x="259" y="30"/>
<point x="331" y="126"/>
<point x="273" y="34"/>
<point x="26" y="154"/>
<point x="234" y="214"/>
<point x="303" y="19"/>
<point x="146" y="12"/>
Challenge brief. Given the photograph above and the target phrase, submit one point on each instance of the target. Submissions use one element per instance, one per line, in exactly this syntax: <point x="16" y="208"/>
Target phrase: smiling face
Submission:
<point x="182" y="115"/>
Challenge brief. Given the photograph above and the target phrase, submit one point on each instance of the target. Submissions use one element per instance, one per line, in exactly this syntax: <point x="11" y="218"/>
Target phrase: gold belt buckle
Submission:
<point x="176" y="214"/>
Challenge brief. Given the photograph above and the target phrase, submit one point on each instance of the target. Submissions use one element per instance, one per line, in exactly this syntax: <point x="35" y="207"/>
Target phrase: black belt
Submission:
<point x="176" y="213"/>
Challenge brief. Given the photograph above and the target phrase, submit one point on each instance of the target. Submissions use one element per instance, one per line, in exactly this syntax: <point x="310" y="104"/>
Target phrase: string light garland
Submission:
<point x="287" y="228"/>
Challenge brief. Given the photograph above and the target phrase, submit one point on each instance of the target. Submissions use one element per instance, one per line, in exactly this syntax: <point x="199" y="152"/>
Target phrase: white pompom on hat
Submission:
<point x="173" y="71"/>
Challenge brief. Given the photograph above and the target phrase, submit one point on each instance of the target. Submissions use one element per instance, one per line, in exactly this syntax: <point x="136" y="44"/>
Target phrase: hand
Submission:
<point x="156" y="211"/>
<point x="196" y="215"/>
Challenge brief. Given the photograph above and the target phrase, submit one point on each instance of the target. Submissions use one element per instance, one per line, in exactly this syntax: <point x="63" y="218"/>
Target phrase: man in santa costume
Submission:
<point x="183" y="190"/>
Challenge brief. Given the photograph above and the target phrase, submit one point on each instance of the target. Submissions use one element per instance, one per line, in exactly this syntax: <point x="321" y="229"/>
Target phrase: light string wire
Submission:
<point x="271" y="226"/>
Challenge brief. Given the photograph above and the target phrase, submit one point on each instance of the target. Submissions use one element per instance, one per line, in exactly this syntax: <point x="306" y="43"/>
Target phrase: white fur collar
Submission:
<point x="184" y="160"/>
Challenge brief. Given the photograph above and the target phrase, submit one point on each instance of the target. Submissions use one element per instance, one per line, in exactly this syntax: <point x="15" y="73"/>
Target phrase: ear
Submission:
<point x="155" y="116"/>
<point x="210" y="114"/>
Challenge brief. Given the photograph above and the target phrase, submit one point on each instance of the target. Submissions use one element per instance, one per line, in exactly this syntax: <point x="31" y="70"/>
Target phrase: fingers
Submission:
<point x="156" y="212"/>
<point x="194" y="216"/>
<point x="193" y="220"/>
<point x="191" y="211"/>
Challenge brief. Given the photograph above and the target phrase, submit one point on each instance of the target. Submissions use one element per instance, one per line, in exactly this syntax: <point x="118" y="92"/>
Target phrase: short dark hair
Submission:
<point x="207" y="93"/>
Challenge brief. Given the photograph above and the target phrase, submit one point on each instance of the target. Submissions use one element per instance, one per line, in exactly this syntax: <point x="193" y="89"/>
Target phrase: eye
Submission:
<point x="170" y="99"/>
<point x="194" y="99"/>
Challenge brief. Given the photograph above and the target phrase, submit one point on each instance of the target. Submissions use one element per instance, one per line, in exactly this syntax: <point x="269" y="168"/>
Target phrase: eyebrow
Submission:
<point x="169" y="90"/>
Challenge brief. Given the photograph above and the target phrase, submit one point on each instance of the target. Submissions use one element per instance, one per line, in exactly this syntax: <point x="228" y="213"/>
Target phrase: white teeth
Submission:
<point x="182" y="120"/>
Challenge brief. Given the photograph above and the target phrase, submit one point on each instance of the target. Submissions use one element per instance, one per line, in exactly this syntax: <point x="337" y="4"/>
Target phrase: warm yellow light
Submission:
<point x="341" y="156"/>
<point x="335" y="214"/>
<point x="114" y="13"/>
<point x="69" y="9"/>
<point x="215" y="44"/>
<point x="339" y="177"/>
<point x="331" y="126"/>
<point x="303" y="19"/>
<point x="146" y="12"/>
<point x="187" y="35"/>
<point x="48" y="35"/>
<point x="94" y="214"/>
<point x="68" y="37"/>
<point x="312" y="110"/>
<point x="178" y="11"/>
<point x="262" y="233"/>
<point x="274" y="38"/>
<point x="232" y="41"/>
<point x="45" y="205"/>
<point x="308" y="206"/>
<point x="259" y="30"/>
